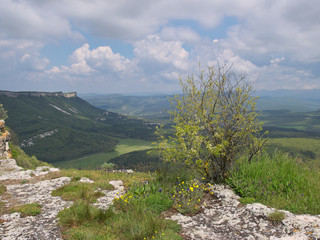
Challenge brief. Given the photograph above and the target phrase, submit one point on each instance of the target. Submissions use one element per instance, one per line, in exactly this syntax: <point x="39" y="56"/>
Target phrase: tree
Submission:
<point x="3" y="112"/>
<point x="215" y="122"/>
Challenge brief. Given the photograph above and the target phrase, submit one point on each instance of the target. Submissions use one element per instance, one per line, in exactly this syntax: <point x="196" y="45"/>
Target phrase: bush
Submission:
<point x="215" y="122"/>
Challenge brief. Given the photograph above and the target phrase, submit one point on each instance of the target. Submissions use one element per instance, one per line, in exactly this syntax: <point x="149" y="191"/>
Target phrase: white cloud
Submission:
<point x="154" y="49"/>
<point x="86" y="61"/>
<point x="277" y="60"/>
<point x="23" y="20"/>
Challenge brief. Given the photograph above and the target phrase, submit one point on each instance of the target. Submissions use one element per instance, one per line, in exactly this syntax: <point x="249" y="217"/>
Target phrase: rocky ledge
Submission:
<point x="223" y="217"/>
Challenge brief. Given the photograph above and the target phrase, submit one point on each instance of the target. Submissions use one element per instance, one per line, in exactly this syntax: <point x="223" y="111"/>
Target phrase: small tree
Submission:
<point x="215" y="122"/>
<point x="3" y="112"/>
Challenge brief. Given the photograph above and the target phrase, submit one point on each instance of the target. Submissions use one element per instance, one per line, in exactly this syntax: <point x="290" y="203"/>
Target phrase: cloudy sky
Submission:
<point x="123" y="46"/>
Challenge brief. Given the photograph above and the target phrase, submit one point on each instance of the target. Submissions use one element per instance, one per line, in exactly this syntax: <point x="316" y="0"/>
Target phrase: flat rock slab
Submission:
<point x="42" y="226"/>
<point x="224" y="218"/>
<point x="105" y="201"/>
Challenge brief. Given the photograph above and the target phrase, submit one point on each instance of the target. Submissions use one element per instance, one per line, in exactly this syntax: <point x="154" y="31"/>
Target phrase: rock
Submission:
<point x="224" y="218"/>
<point x="105" y="201"/>
<point x="86" y="180"/>
<point x="43" y="226"/>
<point x="16" y="173"/>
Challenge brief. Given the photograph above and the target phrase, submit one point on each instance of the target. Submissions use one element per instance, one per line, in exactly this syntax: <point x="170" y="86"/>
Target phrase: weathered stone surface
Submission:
<point x="86" y="180"/>
<point x="42" y="226"/>
<point x="105" y="201"/>
<point x="12" y="171"/>
<point x="224" y="217"/>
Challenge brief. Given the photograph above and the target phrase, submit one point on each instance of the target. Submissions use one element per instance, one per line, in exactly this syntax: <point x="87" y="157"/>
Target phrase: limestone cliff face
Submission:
<point x="4" y="142"/>
<point x="39" y="94"/>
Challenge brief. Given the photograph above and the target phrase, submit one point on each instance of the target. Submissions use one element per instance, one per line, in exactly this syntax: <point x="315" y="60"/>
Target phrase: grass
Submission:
<point x="25" y="161"/>
<point x="77" y="190"/>
<point x="3" y="189"/>
<point x="135" y="215"/>
<point x="94" y="161"/>
<point x="30" y="209"/>
<point x="278" y="181"/>
<point x="305" y="149"/>
<point x="276" y="216"/>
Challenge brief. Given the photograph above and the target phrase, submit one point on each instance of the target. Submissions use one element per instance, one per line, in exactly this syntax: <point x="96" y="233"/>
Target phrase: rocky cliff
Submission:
<point x="38" y="94"/>
<point x="4" y="142"/>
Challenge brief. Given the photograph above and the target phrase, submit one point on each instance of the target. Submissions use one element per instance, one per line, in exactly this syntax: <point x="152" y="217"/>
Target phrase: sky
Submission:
<point x="130" y="46"/>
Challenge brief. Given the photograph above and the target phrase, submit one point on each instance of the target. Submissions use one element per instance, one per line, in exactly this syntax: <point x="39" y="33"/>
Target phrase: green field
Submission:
<point x="93" y="161"/>
<point x="304" y="149"/>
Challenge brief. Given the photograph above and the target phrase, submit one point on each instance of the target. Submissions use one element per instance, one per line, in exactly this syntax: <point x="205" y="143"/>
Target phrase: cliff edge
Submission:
<point x="38" y="94"/>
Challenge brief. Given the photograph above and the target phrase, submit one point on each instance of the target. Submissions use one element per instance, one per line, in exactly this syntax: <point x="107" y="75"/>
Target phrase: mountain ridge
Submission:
<point x="38" y="94"/>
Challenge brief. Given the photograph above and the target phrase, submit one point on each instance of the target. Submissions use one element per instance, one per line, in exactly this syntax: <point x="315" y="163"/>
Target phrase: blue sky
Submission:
<point x="127" y="46"/>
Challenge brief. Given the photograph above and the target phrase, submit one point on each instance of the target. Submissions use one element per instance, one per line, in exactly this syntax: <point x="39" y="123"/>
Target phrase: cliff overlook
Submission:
<point x="61" y="212"/>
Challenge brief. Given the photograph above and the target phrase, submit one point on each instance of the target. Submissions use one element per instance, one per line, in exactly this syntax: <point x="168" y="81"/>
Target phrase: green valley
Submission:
<point x="94" y="161"/>
<point x="59" y="128"/>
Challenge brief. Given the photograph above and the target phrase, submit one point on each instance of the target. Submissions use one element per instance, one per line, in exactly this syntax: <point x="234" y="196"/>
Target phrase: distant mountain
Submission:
<point x="293" y="100"/>
<point x="140" y="106"/>
<point x="286" y="113"/>
<point x="57" y="126"/>
<point x="156" y="106"/>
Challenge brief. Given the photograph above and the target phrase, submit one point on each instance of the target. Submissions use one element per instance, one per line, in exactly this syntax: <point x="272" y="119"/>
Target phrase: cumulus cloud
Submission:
<point x="86" y="61"/>
<point x="156" y="51"/>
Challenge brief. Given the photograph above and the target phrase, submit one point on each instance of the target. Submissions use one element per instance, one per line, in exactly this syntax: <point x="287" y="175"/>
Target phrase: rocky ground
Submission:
<point x="223" y="217"/>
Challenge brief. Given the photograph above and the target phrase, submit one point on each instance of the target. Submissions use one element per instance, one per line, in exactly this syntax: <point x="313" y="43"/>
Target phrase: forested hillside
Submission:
<point x="56" y="128"/>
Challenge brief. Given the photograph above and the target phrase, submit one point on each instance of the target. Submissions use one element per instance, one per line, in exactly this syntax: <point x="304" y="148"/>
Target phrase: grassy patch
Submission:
<point x="306" y="149"/>
<point x="30" y="209"/>
<point x="77" y="190"/>
<point x="1" y="207"/>
<point x="136" y="215"/>
<point x="82" y="212"/>
<point x="276" y="216"/>
<point x="278" y="181"/>
<point x="3" y="189"/>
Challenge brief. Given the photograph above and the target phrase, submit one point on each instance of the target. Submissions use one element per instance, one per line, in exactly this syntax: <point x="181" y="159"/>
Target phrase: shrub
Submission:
<point x="276" y="216"/>
<point x="215" y="122"/>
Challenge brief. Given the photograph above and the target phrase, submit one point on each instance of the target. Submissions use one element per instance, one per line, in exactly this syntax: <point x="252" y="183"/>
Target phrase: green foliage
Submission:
<point x="30" y="209"/>
<point x="3" y="113"/>
<point x="25" y="161"/>
<point x="278" y="181"/>
<point x="139" y="161"/>
<point x="81" y="212"/>
<point x="107" y="166"/>
<point x="215" y="122"/>
<point x="77" y="190"/>
<point x="188" y="196"/>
